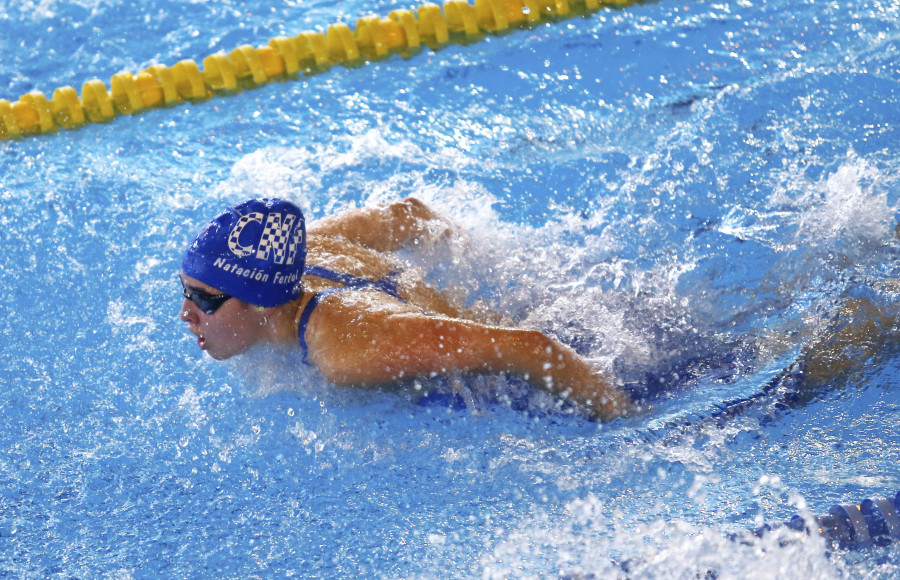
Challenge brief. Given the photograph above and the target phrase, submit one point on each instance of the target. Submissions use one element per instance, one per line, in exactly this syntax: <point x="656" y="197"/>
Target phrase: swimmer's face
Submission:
<point x="232" y="329"/>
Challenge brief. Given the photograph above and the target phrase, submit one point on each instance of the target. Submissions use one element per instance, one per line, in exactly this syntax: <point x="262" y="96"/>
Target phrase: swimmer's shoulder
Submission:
<point x="345" y="327"/>
<point x="339" y="255"/>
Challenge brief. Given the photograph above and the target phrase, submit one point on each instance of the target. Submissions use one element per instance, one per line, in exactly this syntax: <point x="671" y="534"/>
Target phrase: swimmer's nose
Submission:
<point x="187" y="312"/>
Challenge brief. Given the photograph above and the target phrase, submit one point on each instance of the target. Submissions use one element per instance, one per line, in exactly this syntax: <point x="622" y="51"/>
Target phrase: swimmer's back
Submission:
<point x="338" y="254"/>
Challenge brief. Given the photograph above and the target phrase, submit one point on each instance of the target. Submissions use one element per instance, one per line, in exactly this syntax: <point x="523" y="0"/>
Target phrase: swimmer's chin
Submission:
<point x="252" y="351"/>
<point x="214" y="354"/>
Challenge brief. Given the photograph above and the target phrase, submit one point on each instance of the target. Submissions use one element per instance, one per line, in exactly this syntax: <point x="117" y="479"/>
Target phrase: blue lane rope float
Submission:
<point x="850" y="526"/>
<point x="401" y="32"/>
<point x="869" y="524"/>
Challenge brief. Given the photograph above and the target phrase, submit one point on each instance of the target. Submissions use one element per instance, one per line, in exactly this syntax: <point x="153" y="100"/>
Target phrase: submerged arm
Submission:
<point x="385" y="228"/>
<point x="860" y="334"/>
<point x="376" y="347"/>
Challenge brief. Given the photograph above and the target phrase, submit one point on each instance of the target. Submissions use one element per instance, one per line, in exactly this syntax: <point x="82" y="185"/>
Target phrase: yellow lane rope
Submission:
<point x="402" y="32"/>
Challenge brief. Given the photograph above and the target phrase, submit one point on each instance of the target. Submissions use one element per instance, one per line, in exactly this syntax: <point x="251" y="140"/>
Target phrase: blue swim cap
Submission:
<point x="254" y="251"/>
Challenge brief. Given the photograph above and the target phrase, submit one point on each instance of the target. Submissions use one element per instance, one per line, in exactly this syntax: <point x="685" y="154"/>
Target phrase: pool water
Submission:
<point x="685" y="192"/>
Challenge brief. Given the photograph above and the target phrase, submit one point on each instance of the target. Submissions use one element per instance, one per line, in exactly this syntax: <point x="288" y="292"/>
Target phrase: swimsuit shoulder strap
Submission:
<point x="387" y="284"/>
<point x="307" y="312"/>
<point x="340" y="277"/>
<point x="350" y="282"/>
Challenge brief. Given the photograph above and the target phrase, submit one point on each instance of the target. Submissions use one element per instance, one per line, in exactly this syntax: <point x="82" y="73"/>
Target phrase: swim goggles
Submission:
<point x="206" y="302"/>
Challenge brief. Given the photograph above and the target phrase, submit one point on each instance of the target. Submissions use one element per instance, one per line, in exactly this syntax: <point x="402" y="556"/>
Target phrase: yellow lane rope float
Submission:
<point x="402" y="32"/>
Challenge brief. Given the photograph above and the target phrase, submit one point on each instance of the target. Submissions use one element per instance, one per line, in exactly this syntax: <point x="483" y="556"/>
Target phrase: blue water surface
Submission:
<point x="685" y="192"/>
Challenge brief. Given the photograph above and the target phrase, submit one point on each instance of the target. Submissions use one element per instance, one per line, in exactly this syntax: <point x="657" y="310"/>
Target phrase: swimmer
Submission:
<point x="339" y="295"/>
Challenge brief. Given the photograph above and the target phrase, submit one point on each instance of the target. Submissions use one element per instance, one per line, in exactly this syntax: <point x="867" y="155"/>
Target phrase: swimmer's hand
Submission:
<point x="554" y="367"/>
<point x="590" y="390"/>
<point x="609" y="402"/>
<point x="547" y="364"/>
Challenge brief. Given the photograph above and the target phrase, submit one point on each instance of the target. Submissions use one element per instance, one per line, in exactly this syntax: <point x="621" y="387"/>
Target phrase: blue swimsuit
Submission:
<point x="387" y="285"/>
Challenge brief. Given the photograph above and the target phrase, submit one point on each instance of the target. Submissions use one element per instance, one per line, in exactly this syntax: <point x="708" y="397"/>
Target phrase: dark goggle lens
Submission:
<point x="206" y="302"/>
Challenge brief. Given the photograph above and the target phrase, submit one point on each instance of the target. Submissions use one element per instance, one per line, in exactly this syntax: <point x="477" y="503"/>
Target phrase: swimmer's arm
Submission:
<point x="385" y="228"/>
<point x="861" y="331"/>
<point x="376" y="348"/>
